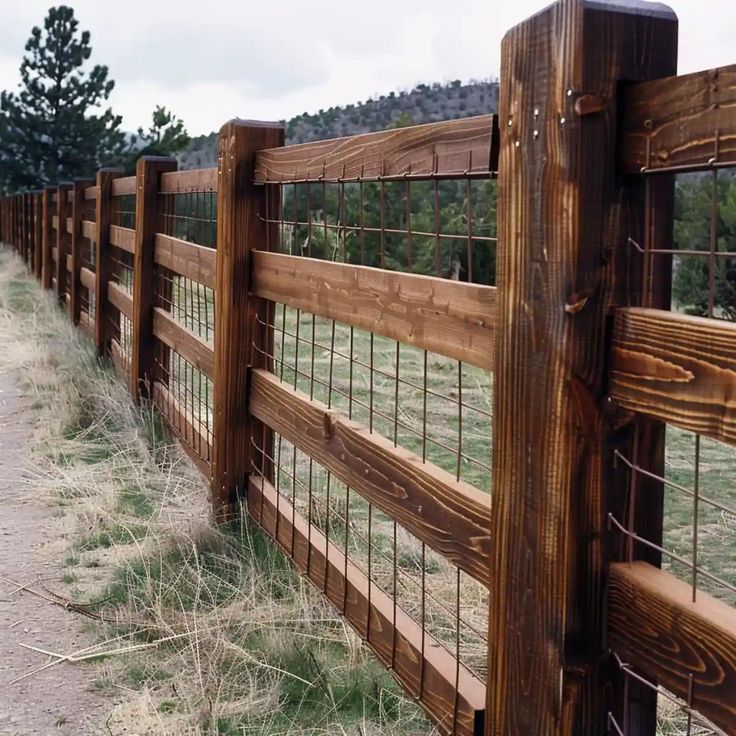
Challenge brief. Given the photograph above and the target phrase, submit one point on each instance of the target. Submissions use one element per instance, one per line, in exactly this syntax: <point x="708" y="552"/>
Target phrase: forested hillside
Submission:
<point x="423" y="104"/>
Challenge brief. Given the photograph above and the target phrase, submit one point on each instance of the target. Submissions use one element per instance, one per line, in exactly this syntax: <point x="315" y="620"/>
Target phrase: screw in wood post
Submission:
<point x="241" y="228"/>
<point x="102" y="258"/>
<point x="148" y="176"/>
<point x="562" y="266"/>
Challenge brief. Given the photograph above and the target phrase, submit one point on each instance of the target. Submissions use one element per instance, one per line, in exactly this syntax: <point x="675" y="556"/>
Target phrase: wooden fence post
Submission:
<point x="46" y="236"/>
<point x="102" y="257"/>
<point x="148" y="176"/>
<point x="75" y="285"/>
<point x="563" y="263"/>
<point x="62" y="237"/>
<point x="241" y="228"/>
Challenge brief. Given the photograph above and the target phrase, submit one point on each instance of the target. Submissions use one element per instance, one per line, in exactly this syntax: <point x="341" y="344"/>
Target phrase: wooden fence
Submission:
<point x="268" y="308"/>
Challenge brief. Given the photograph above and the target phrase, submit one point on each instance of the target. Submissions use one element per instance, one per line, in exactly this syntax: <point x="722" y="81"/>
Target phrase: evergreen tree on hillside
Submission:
<point x="54" y="128"/>
<point x="693" y="232"/>
<point x="166" y="136"/>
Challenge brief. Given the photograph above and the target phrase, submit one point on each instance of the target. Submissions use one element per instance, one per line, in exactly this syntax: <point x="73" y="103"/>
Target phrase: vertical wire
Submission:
<point x="469" y="217"/>
<point x="395" y="533"/>
<point x="310" y="500"/>
<point x="456" y="700"/>
<point x="459" y="419"/>
<point x="713" y="244"/>
<point x="424" y="546"/>
<point x="696" y="502"/>
<point x="436" y="227"/>
<point x="409" y="243"/>
<point x="633" y="482"/>
<point x="329" y="474"/>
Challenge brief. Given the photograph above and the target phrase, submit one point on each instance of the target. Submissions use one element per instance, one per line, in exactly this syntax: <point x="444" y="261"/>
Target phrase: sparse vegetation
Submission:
<point x="232" y="640"/>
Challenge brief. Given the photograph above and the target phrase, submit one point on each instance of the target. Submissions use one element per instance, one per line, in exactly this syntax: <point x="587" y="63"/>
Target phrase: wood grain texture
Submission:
<point x="149" y="170"/>
<point x="62" y="238"/>
<point x="677" y="368"/>
<point x="120" y="299"/>
<point x="190" y="433"/>
<point x="91" y="193"/>
<point x="186" y="259"/>
<point x="119" y="358"/>
<point x="654" y="625"/>
<point x="452" y="517"/>
<point x="562" y="263"/>
<point x="451" y="318"/>
<point x="192" y="180"/>
<point x="183" y="341"/>
<point x="87" y="278"/>
<point x="391" y="633"/>
<point x="75" y="283"/>
<point x="686" y="122"/>
<point x="38" y="241"/>
<point x="123" y="237"/>
<point x="69" y="225"/>
<point x="446" y="148"/>
<point x="124" y="185"/>
<point x="89" y="229"/>
<point x="240" y="230"/>
<point x="103" y="212"/>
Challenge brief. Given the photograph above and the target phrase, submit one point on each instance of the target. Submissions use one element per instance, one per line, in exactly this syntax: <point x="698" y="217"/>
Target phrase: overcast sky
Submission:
<point x="212" y="60"/>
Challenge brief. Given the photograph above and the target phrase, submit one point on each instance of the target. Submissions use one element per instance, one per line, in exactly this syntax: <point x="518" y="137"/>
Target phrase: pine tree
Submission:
<point x="167" y="135"/>
<point x="54" y="128"/>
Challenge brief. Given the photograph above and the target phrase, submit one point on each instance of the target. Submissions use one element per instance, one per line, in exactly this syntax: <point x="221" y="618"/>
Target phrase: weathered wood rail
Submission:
<point x="589" y="364"/>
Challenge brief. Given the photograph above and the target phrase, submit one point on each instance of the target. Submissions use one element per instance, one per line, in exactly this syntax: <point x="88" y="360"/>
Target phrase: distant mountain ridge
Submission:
<point x="423" y="104"/>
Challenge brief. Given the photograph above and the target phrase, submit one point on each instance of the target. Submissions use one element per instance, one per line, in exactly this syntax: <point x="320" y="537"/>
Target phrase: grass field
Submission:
<point x="255" y="650"/>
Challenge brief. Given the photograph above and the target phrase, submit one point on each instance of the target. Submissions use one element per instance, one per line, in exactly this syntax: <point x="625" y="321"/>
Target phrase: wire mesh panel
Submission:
<point x="122" y="274"/>
<point x="187" y="218"/>
<point x="431" y="410"/>
<point x="87" y="257"/>
<point x="698" y="540"/>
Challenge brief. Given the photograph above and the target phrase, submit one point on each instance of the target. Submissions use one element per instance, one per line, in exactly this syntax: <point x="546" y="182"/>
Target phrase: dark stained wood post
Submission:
<point x="148" y="176"/>
<point x="241" y="228"/>
<point x="77" y="215"/>
<point x="47" y="236"/>
<point x="62" y="212"/>
<point x="102" y="257"/>
<point x="38" y="233"/>
<point x="26" y="231"/>
<point x="563" y="263"/>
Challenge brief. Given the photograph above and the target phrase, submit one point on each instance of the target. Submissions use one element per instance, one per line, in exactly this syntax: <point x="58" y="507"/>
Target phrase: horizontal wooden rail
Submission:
<point x="676" y="368"/>
<point x="120" y="299"/>
<point x="452" y="517"/>
<point x="686" y="122"/>
<point x="453" y="147"/>
<point x="69" y="263"/>
<point x="420" y="663"/>
<point x="89" y="229"/>
<point x="654" y="625"/>
<point x="451" y="318"/>
<point x="183" y="341"/>
<point x="181" y="421"/>
<point x="55" y="222"/>
<point x="69" y="226"/>
<point x="122" y="237"/>
<point x="54" y="253"/>
<point x="91" y="192"/>
<point x="186" y="259"/>
<point x="191" y="180"/>
<point x="87" y="278"/>
<point x="124" y="185"/>
<point x="119" y="358"/>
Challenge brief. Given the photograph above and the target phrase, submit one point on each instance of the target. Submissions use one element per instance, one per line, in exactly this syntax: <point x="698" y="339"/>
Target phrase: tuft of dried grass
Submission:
<point x="239" y="643"/>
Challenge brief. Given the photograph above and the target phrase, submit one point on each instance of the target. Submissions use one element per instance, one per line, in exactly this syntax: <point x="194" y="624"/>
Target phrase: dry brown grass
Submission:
<point x="234" y="641"/>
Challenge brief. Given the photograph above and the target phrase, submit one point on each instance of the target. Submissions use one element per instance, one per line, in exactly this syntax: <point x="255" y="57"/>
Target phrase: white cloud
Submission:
<point x="219" y="59"/>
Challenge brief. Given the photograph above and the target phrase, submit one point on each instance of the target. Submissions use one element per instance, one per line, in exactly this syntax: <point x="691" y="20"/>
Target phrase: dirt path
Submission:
<point x="58" y="700"/>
